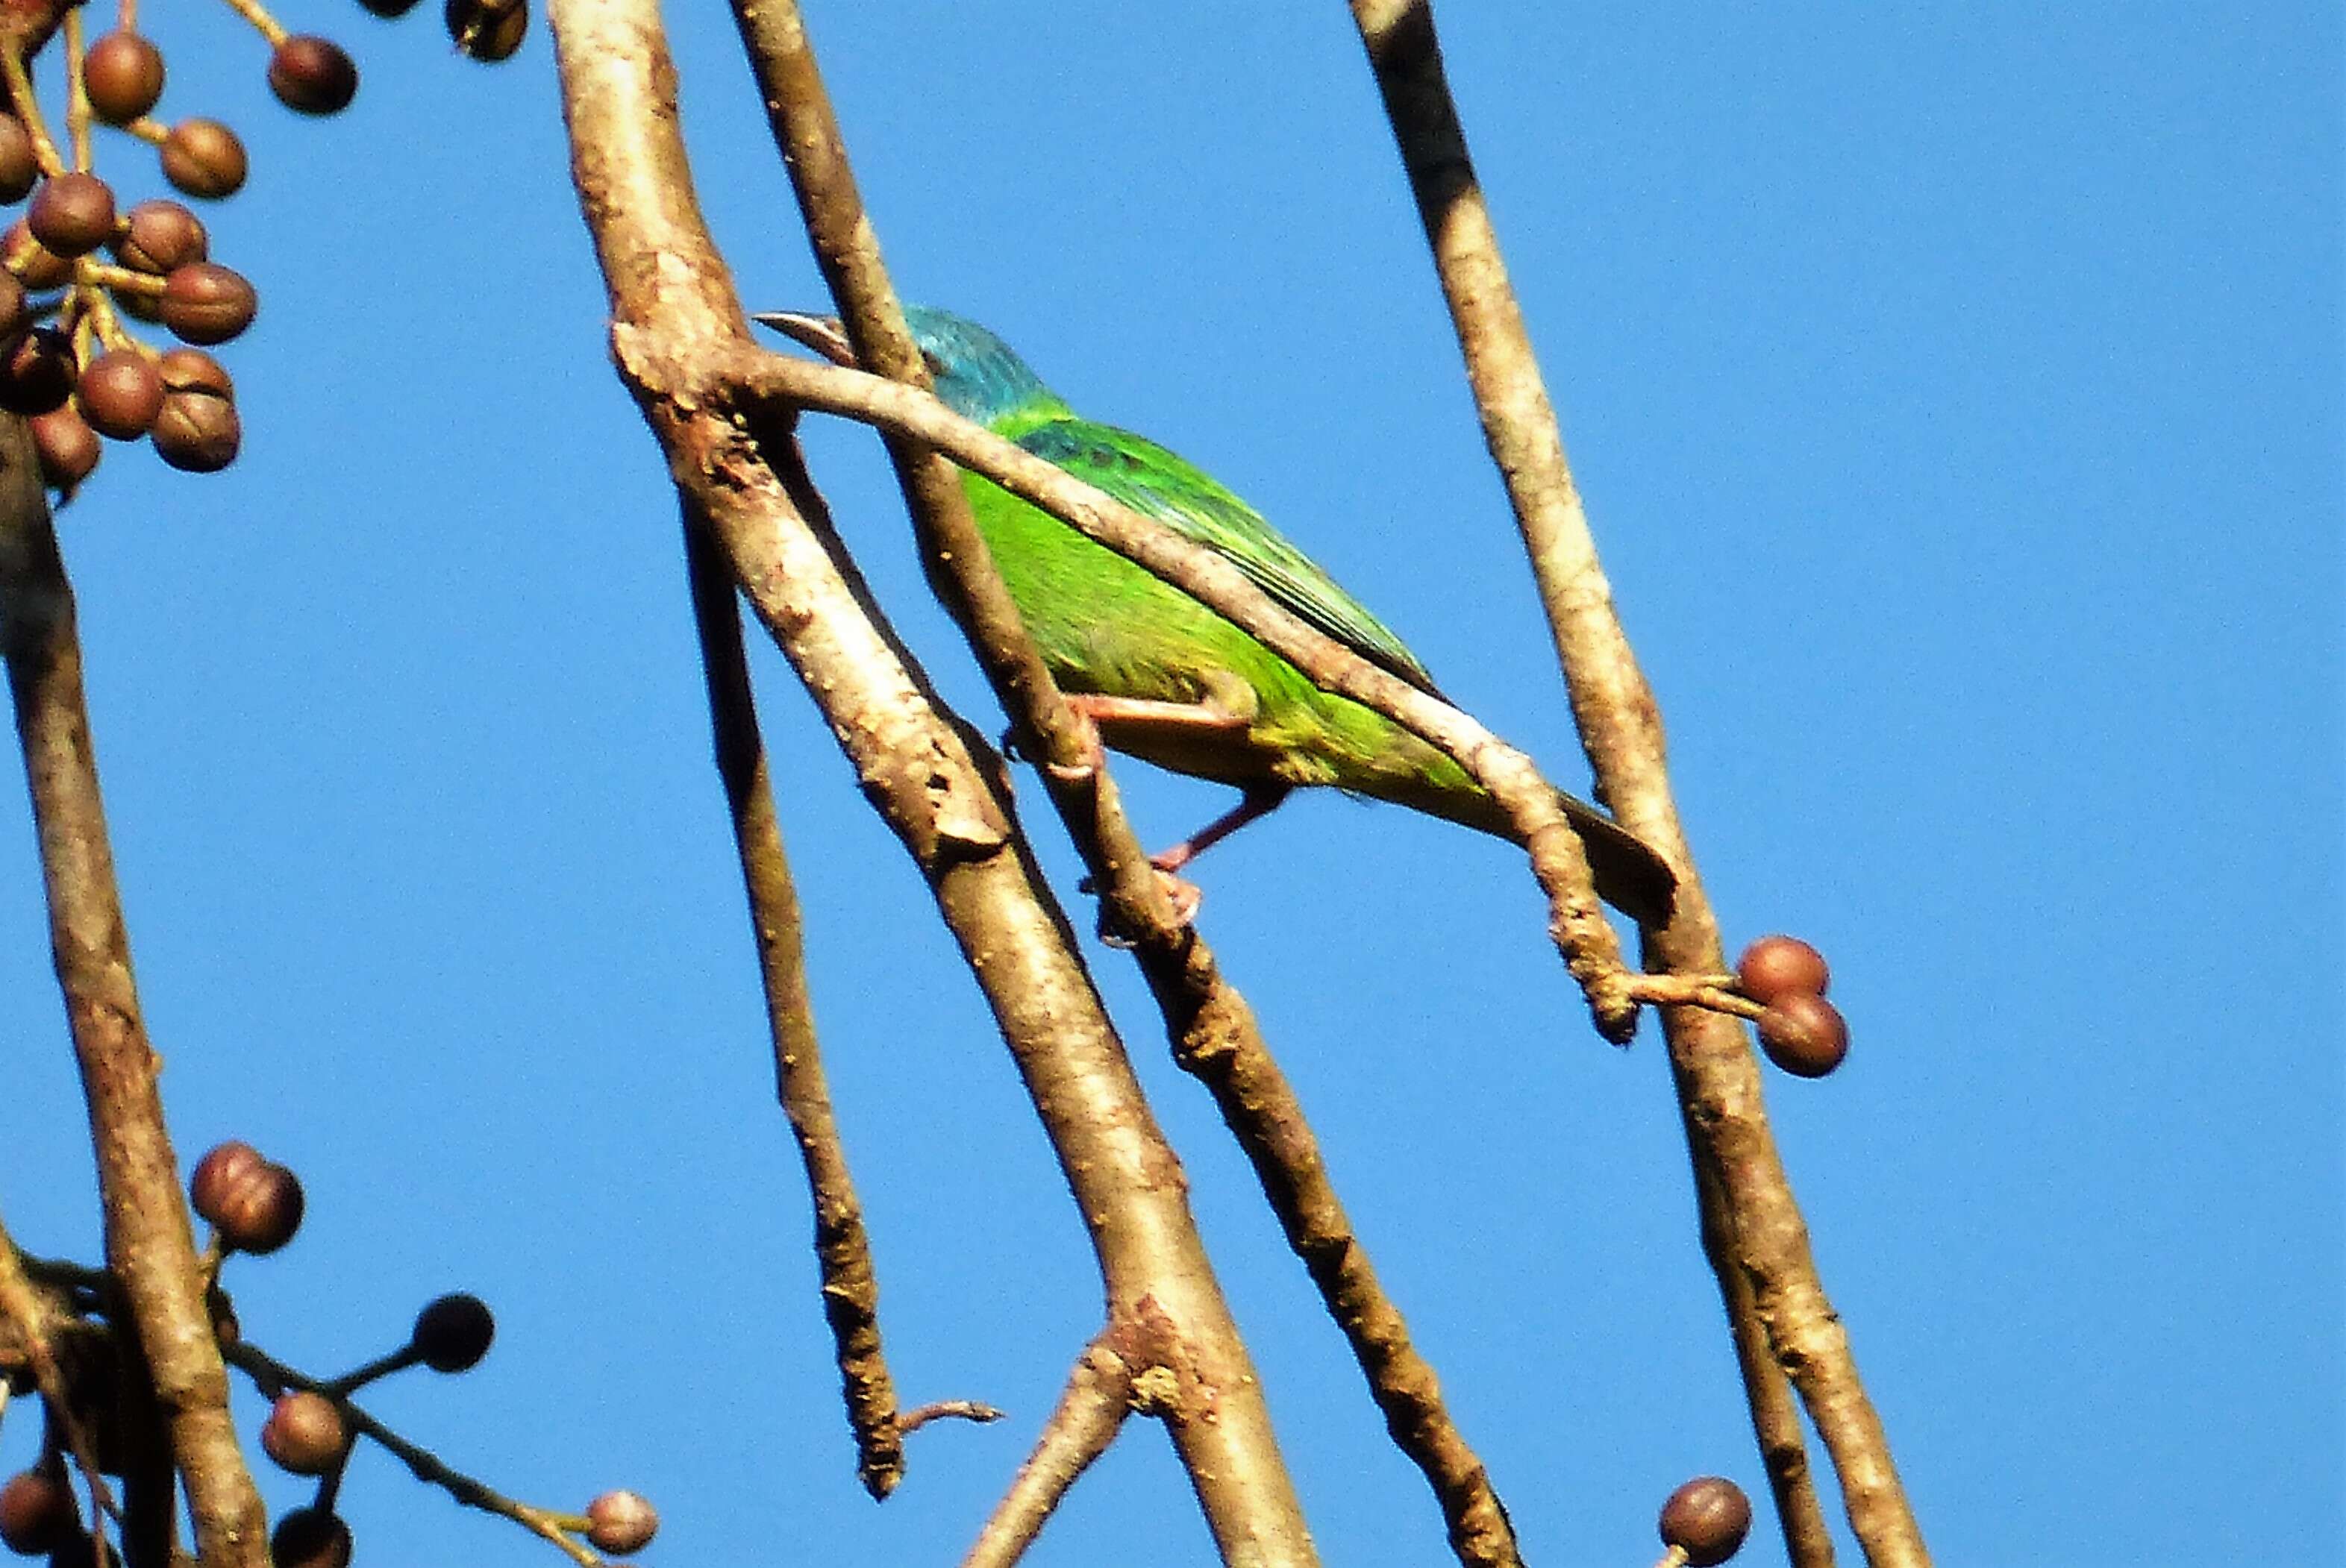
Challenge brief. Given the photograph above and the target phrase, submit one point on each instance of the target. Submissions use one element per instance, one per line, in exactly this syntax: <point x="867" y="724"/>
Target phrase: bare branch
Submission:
<point x="1751" y="1223"/>
<point x="1211" y="1027"/>
<point x="678" y="329"/>
<point x="851" y="1287"/>
<point x="1090" y="1411"/>
<point x="274" y="1376"/>
<point x="149" y="1244"/>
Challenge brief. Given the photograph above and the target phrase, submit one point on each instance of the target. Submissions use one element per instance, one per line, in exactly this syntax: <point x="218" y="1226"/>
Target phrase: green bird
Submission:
<point x="1168" y="680"/>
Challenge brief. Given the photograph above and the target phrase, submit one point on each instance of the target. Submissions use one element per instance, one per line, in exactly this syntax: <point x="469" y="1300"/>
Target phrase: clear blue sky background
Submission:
<point x="1958" y="398"/>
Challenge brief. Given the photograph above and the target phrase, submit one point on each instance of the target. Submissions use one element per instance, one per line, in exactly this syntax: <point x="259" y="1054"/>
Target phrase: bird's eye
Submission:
<point x="936" y="366"/>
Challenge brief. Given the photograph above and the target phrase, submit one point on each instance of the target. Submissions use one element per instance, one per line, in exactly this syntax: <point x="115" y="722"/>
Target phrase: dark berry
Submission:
<point x="204" y="158"/>
<point x="1777" y="967"/>
<point x="204" y="302"/>
<point x="310" y="1538"/>
<point x="621" y="1521"/>
<point x="37" y="1512"/>
<point x="1804" y="1034"/>
<point x="1706" y="1519"/>
<point x="19" y="171"/>
<point x="123" y="74"/>
<point x="34" y="263"/>
<point x="120" y="393"/>
<point x="305" y="1433"/>
<point x="453" y="1332"/>
<point x="312" y="74"/>
<point x="217" y="1174"/>
<point x="160" y="236"/>
<point x="260" y="1206"/>
<point x="488" y="30"/>
<point x="198" y="433"/>
<point x="68" y="449"/>
<point x="36" y="373"/>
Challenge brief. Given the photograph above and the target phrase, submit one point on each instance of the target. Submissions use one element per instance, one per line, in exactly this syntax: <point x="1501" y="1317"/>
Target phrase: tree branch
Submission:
<point x="149" y="1244"/>
<point x="1211" y="1027"/>
<point x="1090" y="1413"/>
<point x="678" y="328"/>
<point x="851" y="1287"/>
<point x="1752" y="1225"/>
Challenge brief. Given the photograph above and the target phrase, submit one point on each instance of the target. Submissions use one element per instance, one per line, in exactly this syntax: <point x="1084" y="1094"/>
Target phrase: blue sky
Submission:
<point x="1957" y="399"/>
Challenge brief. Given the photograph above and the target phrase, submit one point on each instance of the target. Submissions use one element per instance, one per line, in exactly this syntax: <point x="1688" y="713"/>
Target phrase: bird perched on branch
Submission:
<point x="1168" y="680"/>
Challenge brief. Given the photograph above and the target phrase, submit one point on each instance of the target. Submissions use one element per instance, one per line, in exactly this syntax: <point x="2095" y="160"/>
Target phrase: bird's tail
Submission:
<point x="1630" y="874"/>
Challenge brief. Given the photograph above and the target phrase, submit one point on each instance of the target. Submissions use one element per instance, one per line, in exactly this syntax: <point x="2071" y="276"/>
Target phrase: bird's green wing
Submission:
<point x="1176" y="492"/>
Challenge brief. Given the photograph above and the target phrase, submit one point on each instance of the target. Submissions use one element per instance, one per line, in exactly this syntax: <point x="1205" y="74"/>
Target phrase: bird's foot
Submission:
<point x="1090" y="756"/>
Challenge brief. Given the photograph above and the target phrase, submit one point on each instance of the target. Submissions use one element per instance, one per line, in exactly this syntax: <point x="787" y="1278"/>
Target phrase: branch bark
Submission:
<point x="1753" y="1233"/>
<point x="851" y="1286"/>
<point x="149" y="1243"/>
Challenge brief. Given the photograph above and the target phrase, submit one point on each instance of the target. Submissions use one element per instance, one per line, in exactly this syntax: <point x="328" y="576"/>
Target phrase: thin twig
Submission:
<point x="151" y="1247"/>
<point x="272" y="1377"/>
<point x="22" y="1304"/>
<point x="919" y="1416"/>
<point x="1211" y="1027"/>
<point x="1757" y="1228"/>
<point x="1090" y="1410"/>
<point x="851" y="1288"/>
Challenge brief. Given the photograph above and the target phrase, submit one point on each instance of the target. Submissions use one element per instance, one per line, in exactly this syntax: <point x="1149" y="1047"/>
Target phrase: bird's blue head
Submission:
<point x="976" y="374"/>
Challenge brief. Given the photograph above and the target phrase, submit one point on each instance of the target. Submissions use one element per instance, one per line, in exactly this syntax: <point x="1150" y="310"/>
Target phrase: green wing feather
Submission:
<point x="1159" y="484"/>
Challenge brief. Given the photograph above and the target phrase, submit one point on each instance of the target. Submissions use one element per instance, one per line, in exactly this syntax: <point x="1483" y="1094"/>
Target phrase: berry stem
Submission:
<point x="28" y="110"/>
<point x="253" y="12"/>
<point x="77" y="92"/>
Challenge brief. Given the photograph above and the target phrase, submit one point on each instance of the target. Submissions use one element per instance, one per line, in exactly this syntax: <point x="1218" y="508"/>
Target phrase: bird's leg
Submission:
<point x="1260" y="801"/>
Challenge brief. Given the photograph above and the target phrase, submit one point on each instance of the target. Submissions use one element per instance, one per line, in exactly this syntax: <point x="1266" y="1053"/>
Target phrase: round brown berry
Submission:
<point x="1777" y="967"/>
<point x="204" y="158"/>
<point x="36" y="373"/>
<point x="68" y="449"/>
<point x="1706" y="1519"/>
<point x="260" y="1206"/>
<point x="312" y="74"/>
<point x="120" y="393"/>
<point x="34" y="263"/>
<point x="204" y="302"/>
<point x="453" y="1332"/>
<point x="488" y="30"/>
<point x="305" y="1433"/>
<point x="19" y="170"/>
<point x="1804" y="1034"/>
<point x="194" y="370"/>
<point x="159" y="236"/>
<point x="198" y="432"/>
<point x="389" y="8"/>
<point x="310" y="1538"/>
<point x="621" y="1521"/>
<point x="37" y="1512"/>
<point x="72" y="214"/>
<point x="217" y="1174"/>
<point x="123" y="74"/>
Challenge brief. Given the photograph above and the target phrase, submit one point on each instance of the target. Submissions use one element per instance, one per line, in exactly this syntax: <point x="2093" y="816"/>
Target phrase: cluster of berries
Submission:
<point x="1801" y="1030"/>
<point x="73" y="265"/>
<point x="255" y="1204"/>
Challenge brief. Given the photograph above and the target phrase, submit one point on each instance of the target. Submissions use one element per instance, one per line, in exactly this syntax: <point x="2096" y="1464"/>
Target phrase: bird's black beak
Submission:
<point x="823" y="334"/>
